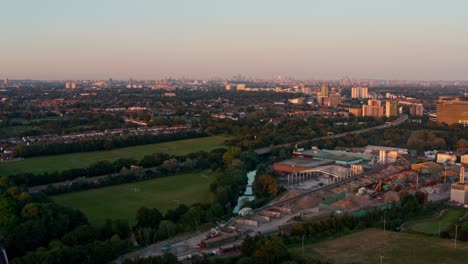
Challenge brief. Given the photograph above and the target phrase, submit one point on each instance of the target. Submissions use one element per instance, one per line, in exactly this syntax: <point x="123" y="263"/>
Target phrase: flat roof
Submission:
<point x="460" y="186"/>
<point x="323" y="154"/>
<point x="304" y="162"/>
<point x="377" y="148"/>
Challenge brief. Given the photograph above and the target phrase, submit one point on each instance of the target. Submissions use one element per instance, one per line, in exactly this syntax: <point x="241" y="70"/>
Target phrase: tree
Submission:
<point x="266" y="186"/>
<point x="271" y="250"/>
<point x="230" y="155"/>
<point x="148" y="217"/>
<point x="167" y="229"/>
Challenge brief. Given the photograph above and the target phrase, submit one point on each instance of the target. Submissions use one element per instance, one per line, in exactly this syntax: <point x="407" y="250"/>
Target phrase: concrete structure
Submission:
<point x="373" y="108"/>
<point x="452" y="111"/>
<point x="401" y="151"/>
<point x="334" y="173"/>
<point x="463" y="172"/>
<point x="444" y="157"/>
<point x="459" y="193"/>
<point x="391" y="108"/>
<point x="464" y="159"/>
<point x="359" y="92"/>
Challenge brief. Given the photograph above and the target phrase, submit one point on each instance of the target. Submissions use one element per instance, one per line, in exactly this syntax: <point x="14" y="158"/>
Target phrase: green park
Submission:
<point x="85" y="159"/>
<point x="123" y="201"/>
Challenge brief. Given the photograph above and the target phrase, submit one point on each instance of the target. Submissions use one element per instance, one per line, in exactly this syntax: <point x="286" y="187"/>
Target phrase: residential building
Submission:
<point x="373" y="108"/>
<point x="359" y="92"/>
<point x="355" y="111"/>
<point x="325" y="89"/>
<point x="334" y="100"/>
<point x="416" y="110"/>
<point x="391" y="108"/>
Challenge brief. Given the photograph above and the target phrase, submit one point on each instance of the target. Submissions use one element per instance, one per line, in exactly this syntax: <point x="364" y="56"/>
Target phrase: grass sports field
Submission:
<point x="368" y="245"/>
<point x="431" y="226"/>
<point x="122" y="201"/>
<point x="84" y="159"/>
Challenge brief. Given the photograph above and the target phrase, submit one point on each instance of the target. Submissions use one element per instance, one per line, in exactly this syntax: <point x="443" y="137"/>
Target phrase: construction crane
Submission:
<point x="378" y="187"/>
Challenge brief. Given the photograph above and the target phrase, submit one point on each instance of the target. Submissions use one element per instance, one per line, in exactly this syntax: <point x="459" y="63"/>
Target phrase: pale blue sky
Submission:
<point x="98" y="39"/>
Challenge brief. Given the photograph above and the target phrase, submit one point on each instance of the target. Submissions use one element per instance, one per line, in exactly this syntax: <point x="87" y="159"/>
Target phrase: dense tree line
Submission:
<point x="259" y="130"/>
<point x="229" y="183"/>
<point x="119" y="171"/>
<point x="162" y="165"/>
<point x="100" y="144"/>
<point x="52" y="233"/>
<point x="36" y="230"/>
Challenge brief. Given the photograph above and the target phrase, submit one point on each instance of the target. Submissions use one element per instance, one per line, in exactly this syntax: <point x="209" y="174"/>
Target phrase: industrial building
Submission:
<point x="298" y="164"/>
<point x="459" y="190"/>
<point x="459" y="193"/>
<point x="338" y="157"/>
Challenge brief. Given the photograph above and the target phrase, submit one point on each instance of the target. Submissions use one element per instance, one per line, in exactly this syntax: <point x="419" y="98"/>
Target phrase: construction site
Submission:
<point x="318" y="188"/>
<point x="332" y="183"/>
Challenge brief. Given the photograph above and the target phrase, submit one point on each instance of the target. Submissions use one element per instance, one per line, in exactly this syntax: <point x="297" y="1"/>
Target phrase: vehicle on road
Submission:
<point x="166" y="248"/>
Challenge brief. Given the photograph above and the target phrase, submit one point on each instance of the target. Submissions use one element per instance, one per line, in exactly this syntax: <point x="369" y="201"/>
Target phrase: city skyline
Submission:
<point x="421" y="40"/>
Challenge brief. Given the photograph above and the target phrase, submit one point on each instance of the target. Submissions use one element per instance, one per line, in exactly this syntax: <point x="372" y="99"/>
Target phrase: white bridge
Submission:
<point x="335" y="173"/>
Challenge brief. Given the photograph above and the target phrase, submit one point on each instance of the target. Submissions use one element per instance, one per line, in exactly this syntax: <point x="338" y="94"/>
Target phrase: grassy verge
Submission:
<point x="431" y="226"/>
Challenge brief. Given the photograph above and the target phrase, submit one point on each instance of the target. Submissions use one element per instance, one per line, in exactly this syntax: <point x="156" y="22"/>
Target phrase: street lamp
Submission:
<point x="456" y="229"/>
<point x="302" y="245"/>
<point x="439" y="228"/>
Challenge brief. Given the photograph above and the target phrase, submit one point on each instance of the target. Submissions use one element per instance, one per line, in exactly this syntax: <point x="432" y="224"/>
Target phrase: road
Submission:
<point x="185" y="245"/>
<point x="399" y="121"/>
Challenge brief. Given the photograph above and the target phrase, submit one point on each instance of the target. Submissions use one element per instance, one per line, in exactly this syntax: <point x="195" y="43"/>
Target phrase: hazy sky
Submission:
<point x="310" y="39"/>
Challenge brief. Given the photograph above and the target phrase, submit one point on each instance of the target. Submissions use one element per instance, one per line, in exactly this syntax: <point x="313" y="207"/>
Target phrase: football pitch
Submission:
<point x="370" y="245"/>
<point x="123" y="201"/>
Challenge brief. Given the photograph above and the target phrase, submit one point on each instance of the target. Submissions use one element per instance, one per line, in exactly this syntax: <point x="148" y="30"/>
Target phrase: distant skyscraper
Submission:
<point x="73" y="85"/>
<point x="67" y="85"/>
<point x="359" y="92"/>
<point x="391" y="108"/>
<point x="325" y="89"/>
<point x="5" y="82"/>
